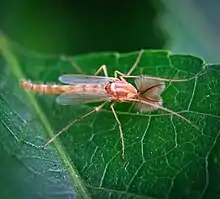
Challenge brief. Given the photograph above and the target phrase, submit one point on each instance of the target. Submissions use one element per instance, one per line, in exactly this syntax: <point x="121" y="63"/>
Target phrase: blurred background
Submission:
<point x="75" y="27"/>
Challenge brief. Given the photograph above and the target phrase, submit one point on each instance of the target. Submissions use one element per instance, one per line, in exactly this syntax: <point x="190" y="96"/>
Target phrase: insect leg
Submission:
<point x="104" y="69"/>
<point x="164" y="109"/>
<point x="116" y="73"/>
<point x="163" y="79"/>
<point x="119" y="74"/>
<point x="122" y="75"/>
<point x="96" y="109"/>
<point x="128" y="75"/>
<point x="136" y="62"/>
<point x="74" y="65"/>
<point x="120" y="129"/>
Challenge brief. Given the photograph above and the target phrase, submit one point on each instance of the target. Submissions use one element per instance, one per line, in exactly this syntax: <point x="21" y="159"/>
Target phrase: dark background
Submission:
<point x="82" y="26"/>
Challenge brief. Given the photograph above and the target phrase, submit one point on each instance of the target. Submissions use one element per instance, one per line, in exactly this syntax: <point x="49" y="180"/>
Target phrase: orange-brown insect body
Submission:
<point x="62" y="89"/>
<point x="117" y="90"/>
<point x="120" y="90"/>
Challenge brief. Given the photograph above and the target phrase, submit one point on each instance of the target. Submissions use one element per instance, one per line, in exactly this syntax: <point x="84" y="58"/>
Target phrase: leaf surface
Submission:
<point x="165" y="157"/>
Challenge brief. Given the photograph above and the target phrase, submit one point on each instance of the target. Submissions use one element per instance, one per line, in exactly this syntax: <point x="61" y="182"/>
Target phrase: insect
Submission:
<point x="93" y="88"/>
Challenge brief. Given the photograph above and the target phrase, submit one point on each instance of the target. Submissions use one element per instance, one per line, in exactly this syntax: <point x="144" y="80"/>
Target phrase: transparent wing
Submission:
<point x="71" y="99"/>
<point x="84" y="79"/>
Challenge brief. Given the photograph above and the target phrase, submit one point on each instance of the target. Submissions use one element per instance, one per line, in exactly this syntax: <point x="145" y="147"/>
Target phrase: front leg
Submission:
<point x="119" y="75"/>
<point x="80" y="71"/>
<point x="136" y="62"/>
<point x="120" y="130"/>
<point x="104" y="69"/>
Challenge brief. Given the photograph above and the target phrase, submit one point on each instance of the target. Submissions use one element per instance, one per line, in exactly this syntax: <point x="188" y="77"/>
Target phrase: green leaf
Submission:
<point x="27" y="171"/>
<point x="165" y="157"/>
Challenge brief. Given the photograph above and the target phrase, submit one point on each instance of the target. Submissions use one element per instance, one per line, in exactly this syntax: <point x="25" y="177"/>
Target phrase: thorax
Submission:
<point x="121" y="90"/>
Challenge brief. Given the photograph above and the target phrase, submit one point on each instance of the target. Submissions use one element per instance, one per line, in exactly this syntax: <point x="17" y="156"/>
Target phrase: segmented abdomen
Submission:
<point x="61" y="89"/>
<point x="46" y="88"/>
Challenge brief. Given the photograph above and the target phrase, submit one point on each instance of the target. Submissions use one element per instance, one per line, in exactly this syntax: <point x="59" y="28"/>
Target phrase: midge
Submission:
<point x="88" y="89"/>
